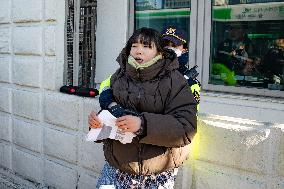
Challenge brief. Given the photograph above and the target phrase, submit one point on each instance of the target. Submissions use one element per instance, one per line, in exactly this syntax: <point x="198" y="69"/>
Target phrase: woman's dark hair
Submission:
<point x="145" y="36"/>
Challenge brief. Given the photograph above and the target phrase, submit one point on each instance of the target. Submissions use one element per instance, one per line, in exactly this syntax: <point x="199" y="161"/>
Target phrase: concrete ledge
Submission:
<point x="237" y="143"/>
<point x="211" y="176"/>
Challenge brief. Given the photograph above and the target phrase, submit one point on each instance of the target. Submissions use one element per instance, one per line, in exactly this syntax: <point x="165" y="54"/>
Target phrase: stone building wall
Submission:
<point x="42" y="131"/>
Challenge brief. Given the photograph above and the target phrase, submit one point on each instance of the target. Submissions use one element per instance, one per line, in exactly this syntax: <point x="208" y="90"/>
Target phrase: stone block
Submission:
<point x="5" y="127"/>
<point x="184" y="176"/>
<point x="87" y="181"/>
<point x="49" y="41"/>
<point x="60" y="145"/>
<point x="5" y="69"/>
<point x="26" y="71"/>
<point x="27" y="165"/>
<point x="5" y="37"/>
<point x="26" y="104"/>
<point x="62" y="110"/>
<point x="59" y="176"/>
<point x="5" y="11"/>
<point x="91" y="155"/>
<point x="48" y="76"/>
<point x="5" y="155"/>
<point x="50" y="10"/>
<point x="89" y="105"/>
<point x="27" y="10"/>
<point x="211" y="176"/>
<point x="5" y="99"/>
<point x="27" y="40"/>
<point x="234" y="142"/>
<point x="27" y="135"/>
<point x="243" y="106"/>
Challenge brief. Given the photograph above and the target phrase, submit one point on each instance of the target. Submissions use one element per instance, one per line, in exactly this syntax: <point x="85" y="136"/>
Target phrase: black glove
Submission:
<point x="117" y="111"/>
<point x="106" y="97"/>
<point x="192" y="72"/>
<point x="191" y="82"/>
<point x="169" y="54"/>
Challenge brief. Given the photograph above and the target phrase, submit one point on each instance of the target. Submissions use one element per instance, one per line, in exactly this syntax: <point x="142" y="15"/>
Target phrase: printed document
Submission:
<point x="109" y="130"/>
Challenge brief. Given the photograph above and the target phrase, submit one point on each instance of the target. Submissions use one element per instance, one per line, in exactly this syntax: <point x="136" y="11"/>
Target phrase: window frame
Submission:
<point x="204" y="60"/>
<point x="77" y="18"/>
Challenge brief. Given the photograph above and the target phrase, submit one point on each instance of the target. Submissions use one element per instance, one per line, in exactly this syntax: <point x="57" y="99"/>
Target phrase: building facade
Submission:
<point x="240" y="139"/>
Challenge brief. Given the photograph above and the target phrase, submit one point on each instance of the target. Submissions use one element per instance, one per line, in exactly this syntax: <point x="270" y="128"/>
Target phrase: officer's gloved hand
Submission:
<point x="169" y="54"/>
<point x="116" y="110"/>
<point x="191" y="81"/>
<point x="105" y="99"/>
<point x="191" y="73"/>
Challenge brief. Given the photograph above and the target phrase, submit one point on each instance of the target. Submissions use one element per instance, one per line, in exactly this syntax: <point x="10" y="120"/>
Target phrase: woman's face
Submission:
<point x="143" y="53"/>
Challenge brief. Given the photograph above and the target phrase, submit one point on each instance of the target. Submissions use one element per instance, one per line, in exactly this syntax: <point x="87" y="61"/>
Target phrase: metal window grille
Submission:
<point x="80" y="56"/>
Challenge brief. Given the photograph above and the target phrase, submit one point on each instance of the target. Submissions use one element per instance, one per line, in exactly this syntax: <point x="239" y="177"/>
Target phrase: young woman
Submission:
<point x="148" y="83"/>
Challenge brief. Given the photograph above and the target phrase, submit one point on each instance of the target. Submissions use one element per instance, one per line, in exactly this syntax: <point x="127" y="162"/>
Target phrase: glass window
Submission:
<point x="247" y="43"/>
<point x="80" y="42"/>
<point x="159" y="14"/>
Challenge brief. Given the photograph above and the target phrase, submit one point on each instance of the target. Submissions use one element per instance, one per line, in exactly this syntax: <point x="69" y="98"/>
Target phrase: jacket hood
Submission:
<point x="163" y="66"/>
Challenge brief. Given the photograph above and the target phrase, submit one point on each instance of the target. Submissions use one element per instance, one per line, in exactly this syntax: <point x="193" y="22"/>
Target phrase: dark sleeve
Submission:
<point x="106" y="98"/>
<point x="183" y="60"/>
<point x="177" y="126"/>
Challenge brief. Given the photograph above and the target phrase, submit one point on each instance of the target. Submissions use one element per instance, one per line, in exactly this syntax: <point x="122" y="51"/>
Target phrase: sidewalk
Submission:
<point x="11" y="181"/>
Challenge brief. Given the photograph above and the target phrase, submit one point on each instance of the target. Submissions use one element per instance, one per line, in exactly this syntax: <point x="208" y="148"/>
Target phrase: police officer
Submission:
<point x="175" y="39"/>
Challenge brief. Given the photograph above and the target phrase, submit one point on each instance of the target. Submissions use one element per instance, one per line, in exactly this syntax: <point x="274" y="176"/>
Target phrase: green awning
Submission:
<point x="163" y="13"/>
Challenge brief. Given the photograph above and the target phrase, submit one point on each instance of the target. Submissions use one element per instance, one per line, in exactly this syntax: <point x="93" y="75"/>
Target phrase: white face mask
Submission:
<point x="177" y="51"/>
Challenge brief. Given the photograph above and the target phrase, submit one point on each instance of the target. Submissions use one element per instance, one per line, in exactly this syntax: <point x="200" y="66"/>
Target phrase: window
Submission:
<point x="247" y="46"/>
<point x="80" y="56"/>
<point x="159" y="14"/>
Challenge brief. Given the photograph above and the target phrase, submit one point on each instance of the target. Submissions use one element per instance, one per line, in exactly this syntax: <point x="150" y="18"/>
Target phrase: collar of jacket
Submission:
<point x="136" y="65"/>
<point x="168" y="63"/>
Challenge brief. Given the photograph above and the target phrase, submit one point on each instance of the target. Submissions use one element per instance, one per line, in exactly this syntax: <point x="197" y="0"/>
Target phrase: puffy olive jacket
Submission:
<point x="160" y="93"/>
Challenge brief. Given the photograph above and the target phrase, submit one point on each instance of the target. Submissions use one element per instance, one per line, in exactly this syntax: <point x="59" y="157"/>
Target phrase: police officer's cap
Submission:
<point x="175" y="35"/>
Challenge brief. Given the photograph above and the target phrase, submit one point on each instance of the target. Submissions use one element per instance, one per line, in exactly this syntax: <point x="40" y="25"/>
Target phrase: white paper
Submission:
<point x="109" y="130"/>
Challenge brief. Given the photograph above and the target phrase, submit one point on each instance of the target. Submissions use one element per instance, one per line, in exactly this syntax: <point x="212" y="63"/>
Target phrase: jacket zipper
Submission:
<point x="140" y="162"/>
<point x="140" y="146"/>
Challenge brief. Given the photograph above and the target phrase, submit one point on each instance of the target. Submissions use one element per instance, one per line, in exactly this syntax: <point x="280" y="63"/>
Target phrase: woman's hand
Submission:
<point x="94" y="121"/>
<point x="128" y="123"/>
